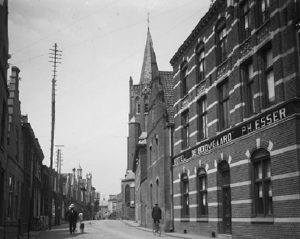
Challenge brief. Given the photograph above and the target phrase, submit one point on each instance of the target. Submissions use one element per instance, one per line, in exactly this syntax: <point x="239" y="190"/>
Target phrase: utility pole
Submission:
<point x="55" y="56"/>
<point x="58" y="193"/>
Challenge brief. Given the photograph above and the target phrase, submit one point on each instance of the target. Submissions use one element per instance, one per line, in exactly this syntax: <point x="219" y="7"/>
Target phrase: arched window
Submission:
<point x="262" y="183"/>
<point x="157" y="191"/>
<point x="127" y="195"/>
<point x="137" y="105"/>
<point x="184" y="76"/>
<point x="221" y="34"/>
<point x="146" y="104"/>
<point x="185" y="195"/>
<point x="200" y="58"/>
<point x="202" y="192"/>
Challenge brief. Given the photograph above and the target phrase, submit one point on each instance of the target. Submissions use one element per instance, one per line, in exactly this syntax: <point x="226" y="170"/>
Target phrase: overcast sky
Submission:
<point x="102" y="44"/>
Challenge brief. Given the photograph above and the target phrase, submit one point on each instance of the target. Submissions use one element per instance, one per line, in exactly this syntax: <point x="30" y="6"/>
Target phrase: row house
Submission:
<point x="236" y="140"/>
<point x="3" y="104"/>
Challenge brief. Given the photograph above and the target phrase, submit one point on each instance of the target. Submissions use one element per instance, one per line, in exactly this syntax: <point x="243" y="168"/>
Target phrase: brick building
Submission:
<point x="236" y="141"/>
<point x="3" y="102"/>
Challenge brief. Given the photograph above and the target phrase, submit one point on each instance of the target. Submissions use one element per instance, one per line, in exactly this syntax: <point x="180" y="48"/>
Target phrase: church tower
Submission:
<point x="139" y="95"/>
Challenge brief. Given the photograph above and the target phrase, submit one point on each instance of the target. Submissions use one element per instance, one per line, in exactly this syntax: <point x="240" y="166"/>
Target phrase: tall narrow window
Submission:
<point x="17" y="144"/>
<point x="17" y="200"/>
<point x="146" y="104"/>
<point x="185" y="130"/>
<point x="250" y="105"/>
<point x="3" y="124"/>
<point x="246" y="19"/>
<point x="202" y="121"/>
<point x="10" y="198"/>
<point x="221" y="42"/>
<point x="157" y="191"/>
<point x="224" y="105"/>
<point x="127" y="195"/>
<point x="184" y="76"/>
<point x="151" y="196"/>
<point x="269" y="77"/>
<point x="202" y="192"/>
<point x="262" y="183"/>
<point x="264" y="10"/>
<point x="200" y="63"/>
<point x="185" y="195"/>
<point x="137" y="105"/>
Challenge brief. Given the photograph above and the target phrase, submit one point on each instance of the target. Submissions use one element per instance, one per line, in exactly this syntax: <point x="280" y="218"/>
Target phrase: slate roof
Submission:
<point x="167" y="82"/>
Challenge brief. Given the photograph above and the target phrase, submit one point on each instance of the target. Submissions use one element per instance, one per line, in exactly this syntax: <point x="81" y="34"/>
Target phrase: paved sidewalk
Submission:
<point x="35" y="234"/>
<point x="171" y="234"/>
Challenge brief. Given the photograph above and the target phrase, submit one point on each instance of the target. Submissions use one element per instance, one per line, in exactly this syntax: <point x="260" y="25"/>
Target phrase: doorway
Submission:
<point x="226" y="197"/>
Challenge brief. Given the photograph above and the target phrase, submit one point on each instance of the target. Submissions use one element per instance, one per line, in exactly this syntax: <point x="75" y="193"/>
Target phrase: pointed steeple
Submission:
<point x="149" y="68"/>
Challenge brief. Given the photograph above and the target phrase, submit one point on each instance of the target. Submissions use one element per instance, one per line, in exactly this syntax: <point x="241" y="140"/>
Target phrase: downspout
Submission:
<point x="171" y="176"/>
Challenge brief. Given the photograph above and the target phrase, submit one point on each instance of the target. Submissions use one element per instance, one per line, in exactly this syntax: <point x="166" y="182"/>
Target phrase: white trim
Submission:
<point x="212" y="122"/>
<point x="245" y="201"/>
<point x="289" y="219"/>
<point x="195" y="117"/>
<point x="240" y="184"/>
<point x="235" y="87"/>
<point x="237" y="219"/>
<point x="192" y="192"/>
<point x="241" y="162"/>
<point x="194" y="133"/>
<point x="176" y="181"/>
<point x="286" y="175"/>
<point x="178" y="142"/>
<point x="177" y="207"/>
<point x="292" y="50"/>
<point x="285" y="79"/>
<point x="212" y="105"/>
<point x="213" y="204"/>
<point x="193" y="205"/>
<point x="178" y="128"/>
<point x="286" y="149"/>
<point x="286" y="197"/>
<point x="215" y="219"/>
<point x="177" y="195"/>
<point x="213" y="189"/>
<point x="237" y="107"/>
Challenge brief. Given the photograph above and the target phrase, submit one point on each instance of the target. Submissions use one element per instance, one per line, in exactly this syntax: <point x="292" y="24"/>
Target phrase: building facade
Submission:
<point x="3" y="103"/>
<point x="236" y="140"/>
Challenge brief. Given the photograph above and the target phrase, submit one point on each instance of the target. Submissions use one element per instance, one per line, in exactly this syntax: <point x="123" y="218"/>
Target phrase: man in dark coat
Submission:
<point x="156" y="213"/>
<point x="72" y="218"/>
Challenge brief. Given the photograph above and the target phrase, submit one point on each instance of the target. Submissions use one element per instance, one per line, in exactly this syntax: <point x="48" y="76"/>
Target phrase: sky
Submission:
<point x="102" y="44"/>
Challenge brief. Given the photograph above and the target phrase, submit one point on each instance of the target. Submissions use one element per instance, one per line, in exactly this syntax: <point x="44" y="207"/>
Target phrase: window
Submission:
<point x="262" y="183"/>
<point x="185" y="130"/>
<point x="185" y="195"/>
<point x="157" y="191"/>
<point x="137" y="105"/>
<point x="202" y="192"/>
<point x="3" y="124"/>
<point x="249" y="80"/>
<point x="127" y="195"/>
<point x="246" y="19"/>
<point x="224" y="105"/>
<point x="202" y="120"/>
<point x="157" y="148"/>
<point x="269" y="77"/>
<point x="264" y="10"/>
<point x="151" y="196"/>
<point x="146" y="104"/>
<point x="200" y="63"/>
<point x="17" y="200"/>
<point x="10" y="198"/>
<point x="221" y="41"/>
<point x="17" y="144"/>
<point x="184" y="76"/>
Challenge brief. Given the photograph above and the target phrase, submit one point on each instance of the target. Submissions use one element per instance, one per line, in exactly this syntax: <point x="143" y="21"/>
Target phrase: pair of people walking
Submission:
<point x="73" y="216"/>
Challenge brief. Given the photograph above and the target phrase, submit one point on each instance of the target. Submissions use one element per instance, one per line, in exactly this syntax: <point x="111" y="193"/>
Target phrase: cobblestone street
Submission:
<point x="108" y="229"/>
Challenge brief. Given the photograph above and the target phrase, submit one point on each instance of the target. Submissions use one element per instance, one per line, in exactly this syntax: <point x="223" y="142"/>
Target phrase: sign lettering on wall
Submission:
<point x="264" y="120"/>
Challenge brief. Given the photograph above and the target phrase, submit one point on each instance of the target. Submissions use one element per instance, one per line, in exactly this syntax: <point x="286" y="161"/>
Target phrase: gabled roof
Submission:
<point x="149" y="68"/>
<point x="167" y="82"/>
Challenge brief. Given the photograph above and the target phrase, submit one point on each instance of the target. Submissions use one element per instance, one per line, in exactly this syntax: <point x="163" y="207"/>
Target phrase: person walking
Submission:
<point x="156" y="214"/>
<point x="72" y="218"/>
<point x="81" y="223"/>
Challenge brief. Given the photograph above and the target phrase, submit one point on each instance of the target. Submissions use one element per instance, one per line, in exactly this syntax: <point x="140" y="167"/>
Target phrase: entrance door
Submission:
<point x="226" y="195"/>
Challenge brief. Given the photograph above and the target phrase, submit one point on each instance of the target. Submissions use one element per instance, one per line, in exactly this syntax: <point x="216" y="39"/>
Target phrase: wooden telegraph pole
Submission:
<point x="55" y="56"/>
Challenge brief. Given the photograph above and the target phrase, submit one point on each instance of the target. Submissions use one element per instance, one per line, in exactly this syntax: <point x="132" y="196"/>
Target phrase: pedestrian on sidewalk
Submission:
<point x="81" y="223"/>
<point x="72" y="219"/>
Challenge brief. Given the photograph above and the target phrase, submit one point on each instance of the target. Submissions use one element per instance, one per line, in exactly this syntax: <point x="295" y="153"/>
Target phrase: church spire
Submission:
<point x="149" y="68"/>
